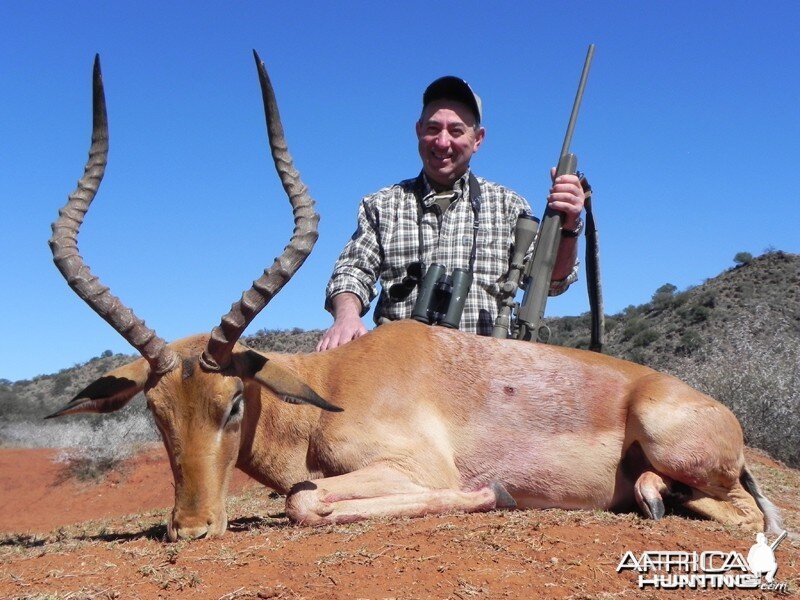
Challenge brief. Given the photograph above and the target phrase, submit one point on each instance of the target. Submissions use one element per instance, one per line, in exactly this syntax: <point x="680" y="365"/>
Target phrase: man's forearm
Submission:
<point x="565" y="258"/>
<point x="346" y="304"/>
<point x="346" y="309"/>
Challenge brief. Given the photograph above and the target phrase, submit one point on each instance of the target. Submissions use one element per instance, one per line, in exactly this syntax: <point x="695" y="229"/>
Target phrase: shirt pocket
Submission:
<point x="491" y="259"/>
<point x="400" y="245"/>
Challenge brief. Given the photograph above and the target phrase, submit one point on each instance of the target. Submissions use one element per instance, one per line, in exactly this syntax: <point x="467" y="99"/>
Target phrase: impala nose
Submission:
<point x="187" y="527"/>
<point x="189" y="533"/>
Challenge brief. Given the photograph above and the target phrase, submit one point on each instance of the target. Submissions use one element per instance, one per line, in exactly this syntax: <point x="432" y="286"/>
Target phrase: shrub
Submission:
<point x="663" y="296"/>
<point x="756" y="373"/>
<point x="91" y="447"/>
<point x="644" y="338"/>
<point x="746" y="290"/>
<point x="636" y="355"/>
<point x="93" y="451"/>
<point x="61" y="382"/>
<point x="690" y="341"/>
<point x="694" y="314"/>
<point x="742" y="258"/>
<point x="632" y="328"/>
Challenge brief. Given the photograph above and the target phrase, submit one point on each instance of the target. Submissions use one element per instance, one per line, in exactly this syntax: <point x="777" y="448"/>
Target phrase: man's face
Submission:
<point x="447" y="140"/>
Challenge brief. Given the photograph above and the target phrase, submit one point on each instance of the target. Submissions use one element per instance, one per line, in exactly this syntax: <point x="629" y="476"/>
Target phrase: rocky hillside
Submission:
<point x="764" y="291"/>
<point x="736" y="337"/>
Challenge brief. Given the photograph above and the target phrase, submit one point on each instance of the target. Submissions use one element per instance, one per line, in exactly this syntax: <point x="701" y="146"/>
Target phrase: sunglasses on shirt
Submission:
<point x="414" y="273"/>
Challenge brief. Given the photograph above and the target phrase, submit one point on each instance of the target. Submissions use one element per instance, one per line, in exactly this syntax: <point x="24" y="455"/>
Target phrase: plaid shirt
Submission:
<point x="387" y="240"/>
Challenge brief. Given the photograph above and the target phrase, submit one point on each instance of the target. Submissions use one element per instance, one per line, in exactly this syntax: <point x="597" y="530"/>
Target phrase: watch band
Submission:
<point x="573" y="233"/>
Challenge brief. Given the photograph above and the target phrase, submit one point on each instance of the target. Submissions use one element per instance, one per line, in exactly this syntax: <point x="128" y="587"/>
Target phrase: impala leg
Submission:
<point x="650" y="489"/>
<point x="381" y="491"/>
<point x="732" y="507"/>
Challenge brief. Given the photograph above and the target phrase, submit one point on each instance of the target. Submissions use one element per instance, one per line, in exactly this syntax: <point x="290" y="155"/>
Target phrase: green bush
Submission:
<point x="644" y="338"/>
<point x="61" y="382"/>
<point x="663" y="296"/>
<point x="694" y="314"/>
<point x="632" y="328"/>
<point x="690" y="341"/>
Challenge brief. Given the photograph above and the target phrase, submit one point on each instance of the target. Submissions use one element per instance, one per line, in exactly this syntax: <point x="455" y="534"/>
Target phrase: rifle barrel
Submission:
<point x="578" y="98"/>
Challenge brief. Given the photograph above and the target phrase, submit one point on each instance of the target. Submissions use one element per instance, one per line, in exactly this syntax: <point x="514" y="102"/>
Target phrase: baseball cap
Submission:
<point x="453" y="88"/>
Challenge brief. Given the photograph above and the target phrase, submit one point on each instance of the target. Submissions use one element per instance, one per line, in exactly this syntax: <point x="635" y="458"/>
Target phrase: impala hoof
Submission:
<point x="502" y="498"/>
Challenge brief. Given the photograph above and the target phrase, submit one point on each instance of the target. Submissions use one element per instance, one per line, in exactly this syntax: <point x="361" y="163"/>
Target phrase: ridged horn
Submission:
<point x="217" y="354"/>
<point x="64" y="245"/>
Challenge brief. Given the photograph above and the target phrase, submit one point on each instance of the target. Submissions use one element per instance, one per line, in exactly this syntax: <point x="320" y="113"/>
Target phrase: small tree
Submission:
<point x="742" y="258"/>
<point x="663" y="296"/>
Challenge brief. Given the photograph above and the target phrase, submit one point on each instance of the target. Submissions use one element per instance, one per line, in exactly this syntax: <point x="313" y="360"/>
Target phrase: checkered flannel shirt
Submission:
<point x="386" y="241"/>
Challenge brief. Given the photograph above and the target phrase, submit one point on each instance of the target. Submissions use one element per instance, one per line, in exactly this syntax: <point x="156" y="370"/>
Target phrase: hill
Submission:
<point x="764" y="291"/>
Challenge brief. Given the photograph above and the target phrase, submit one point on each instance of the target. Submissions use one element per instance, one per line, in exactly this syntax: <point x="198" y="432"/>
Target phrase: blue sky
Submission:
<point x="689" y="134"/>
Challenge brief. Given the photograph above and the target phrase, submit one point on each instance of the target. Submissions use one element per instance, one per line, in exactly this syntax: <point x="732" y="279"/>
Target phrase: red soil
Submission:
<point x="68" y="539"/>
<point x="39" y="495"/>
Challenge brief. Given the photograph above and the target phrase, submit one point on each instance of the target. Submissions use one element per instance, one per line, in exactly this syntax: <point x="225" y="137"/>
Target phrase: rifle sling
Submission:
<point x="593" y="274"/>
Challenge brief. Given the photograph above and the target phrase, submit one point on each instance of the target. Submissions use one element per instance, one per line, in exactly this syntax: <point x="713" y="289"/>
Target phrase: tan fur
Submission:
<point x="435" y="420"/>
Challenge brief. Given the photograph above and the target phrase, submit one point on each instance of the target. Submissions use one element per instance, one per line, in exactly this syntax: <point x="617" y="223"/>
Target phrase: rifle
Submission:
<point x="539" y="269"/>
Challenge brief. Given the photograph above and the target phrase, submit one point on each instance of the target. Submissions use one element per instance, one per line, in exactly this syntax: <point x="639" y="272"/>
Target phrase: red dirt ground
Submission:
<point x="38" y="494"/>
<point x="68" y="539"/>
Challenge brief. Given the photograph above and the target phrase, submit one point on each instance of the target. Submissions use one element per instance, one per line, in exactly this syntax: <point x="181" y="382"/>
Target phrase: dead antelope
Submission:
<point x="410" y="419"/>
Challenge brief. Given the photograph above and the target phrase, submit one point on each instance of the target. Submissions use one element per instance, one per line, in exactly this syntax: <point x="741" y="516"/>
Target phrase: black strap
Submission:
<point x="475" y="202"/>
<point x="419" y="187"/>
<point x="593" y="273"/>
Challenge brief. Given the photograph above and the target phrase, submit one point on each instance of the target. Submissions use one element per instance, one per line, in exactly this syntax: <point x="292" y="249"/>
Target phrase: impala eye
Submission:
<point x="237" y="410"/>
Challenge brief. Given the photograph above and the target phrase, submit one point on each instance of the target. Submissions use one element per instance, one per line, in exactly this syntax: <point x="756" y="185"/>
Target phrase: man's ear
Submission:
<point x="480" y="135"/>
<point x="254" y="365"/>
<point x="109" y="393"/>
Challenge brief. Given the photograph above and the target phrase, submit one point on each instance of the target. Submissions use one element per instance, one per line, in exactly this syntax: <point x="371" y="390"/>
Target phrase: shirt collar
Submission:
<point x="460" y="189"/>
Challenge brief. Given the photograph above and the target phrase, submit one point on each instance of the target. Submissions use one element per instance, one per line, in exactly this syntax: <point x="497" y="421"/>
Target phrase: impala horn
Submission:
<point x="64" y="245"/>
<point x="217" y="355"/>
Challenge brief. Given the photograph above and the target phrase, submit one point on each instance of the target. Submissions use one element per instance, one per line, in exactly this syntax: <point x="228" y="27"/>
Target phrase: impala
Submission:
<point x="409" y="419"/>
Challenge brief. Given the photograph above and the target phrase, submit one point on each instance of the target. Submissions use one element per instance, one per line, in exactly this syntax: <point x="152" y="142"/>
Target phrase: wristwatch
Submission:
<point x="573" y="233"/>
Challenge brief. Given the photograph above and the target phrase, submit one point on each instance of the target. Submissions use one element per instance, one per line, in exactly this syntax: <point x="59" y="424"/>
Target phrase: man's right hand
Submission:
<point x="347" y="324"/>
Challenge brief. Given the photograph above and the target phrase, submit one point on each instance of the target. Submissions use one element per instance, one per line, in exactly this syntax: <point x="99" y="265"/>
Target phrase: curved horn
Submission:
<point x="217" y="354"/>
<point x="64" y="245"/>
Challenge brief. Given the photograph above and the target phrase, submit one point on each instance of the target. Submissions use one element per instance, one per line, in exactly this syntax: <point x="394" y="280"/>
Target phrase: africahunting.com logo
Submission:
<point x="710" y="569"/>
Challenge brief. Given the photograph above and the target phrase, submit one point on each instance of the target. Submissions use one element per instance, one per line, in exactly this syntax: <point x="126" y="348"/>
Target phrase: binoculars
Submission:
<point x="441" y="296"/>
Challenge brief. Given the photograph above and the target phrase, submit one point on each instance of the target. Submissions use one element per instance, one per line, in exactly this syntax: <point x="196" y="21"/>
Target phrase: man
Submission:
<point x="446" y="215"/>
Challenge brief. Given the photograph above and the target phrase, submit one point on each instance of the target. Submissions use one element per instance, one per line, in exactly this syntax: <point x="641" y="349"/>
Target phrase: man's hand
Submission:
<point x="347" y="324"/>
<point x="567" y="197"/>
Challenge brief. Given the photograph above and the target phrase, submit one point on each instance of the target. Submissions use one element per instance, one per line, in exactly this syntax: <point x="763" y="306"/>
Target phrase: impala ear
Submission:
<point x="109" y="393"/>
<point x="253" y="365"/>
